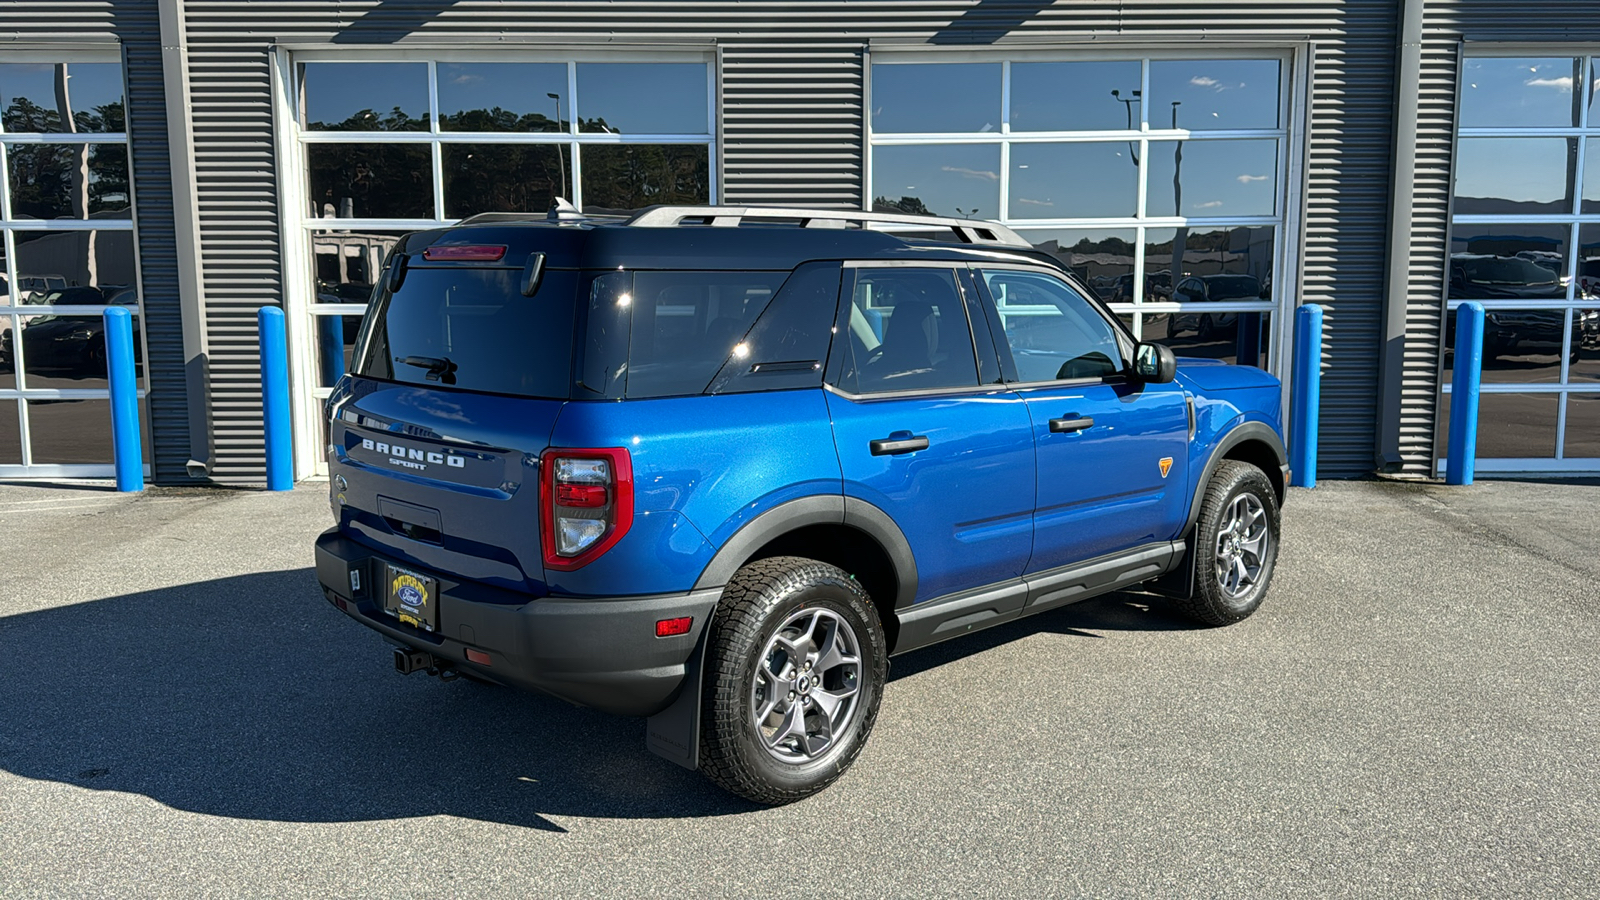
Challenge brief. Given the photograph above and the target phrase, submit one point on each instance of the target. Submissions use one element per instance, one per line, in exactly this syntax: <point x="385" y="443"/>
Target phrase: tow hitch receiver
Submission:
<point x="407" y="660"/>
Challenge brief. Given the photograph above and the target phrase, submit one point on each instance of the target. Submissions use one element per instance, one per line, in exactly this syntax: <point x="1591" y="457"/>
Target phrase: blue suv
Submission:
<point x="716" y="465"/>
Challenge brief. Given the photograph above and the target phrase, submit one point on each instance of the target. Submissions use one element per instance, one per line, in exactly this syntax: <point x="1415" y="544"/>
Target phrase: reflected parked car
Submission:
<point x="1212" y="288"/>
<point x="1479" y="276"/>
<point x="74" y="344"/>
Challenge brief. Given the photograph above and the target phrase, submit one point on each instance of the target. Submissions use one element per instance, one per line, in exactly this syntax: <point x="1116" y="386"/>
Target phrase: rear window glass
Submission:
<point x="471" y="328"/>
<point x="684" y="325"/>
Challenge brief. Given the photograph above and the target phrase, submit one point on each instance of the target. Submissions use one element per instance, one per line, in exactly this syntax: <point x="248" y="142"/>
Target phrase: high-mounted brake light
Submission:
<point x="465" y="253"/>
<point x="585" y="504"/>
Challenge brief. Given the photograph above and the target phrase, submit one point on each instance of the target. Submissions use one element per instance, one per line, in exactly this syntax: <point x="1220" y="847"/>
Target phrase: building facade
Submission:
<point x="1206" y="167"/>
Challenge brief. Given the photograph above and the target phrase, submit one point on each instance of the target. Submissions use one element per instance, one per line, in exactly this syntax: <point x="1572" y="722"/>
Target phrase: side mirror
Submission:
<point x="1154" y="364"/>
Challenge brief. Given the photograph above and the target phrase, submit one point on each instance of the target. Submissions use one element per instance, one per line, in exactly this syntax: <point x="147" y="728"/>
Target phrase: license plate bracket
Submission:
<point x="411" y="597"/>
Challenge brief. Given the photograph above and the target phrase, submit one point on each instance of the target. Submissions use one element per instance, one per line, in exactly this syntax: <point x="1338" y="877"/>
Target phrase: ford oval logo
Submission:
<point x="410" y="596"/>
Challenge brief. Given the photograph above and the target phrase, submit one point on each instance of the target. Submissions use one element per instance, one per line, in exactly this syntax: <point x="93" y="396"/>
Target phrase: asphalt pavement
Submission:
<point x="1411" y="714"/>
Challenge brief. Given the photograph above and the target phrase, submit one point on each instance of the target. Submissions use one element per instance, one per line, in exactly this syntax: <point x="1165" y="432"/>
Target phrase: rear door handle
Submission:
<point x="890" y="446"/>
<point x="1071" y="423"/>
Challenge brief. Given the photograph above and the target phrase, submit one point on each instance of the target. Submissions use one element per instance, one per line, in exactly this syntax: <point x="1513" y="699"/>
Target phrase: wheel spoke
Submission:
<point x="822" y="739"/>
<point x="1255" y="546"/>
<point x="1241" y="574"/>
<point x="797" y="649"/>
<point x="829" y="701"/>
<point x="793" y="725"/>
<point x="830" y="655"/>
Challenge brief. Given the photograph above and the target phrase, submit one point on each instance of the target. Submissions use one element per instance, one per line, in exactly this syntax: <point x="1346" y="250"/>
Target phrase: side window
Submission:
<point x="1054" y="333"/>
<point x="685" y="324"/>
<point x="906" y="330"/>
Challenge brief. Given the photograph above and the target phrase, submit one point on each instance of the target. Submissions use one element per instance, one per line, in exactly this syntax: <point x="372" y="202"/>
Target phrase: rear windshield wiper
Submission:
<point x="439" y="368"/>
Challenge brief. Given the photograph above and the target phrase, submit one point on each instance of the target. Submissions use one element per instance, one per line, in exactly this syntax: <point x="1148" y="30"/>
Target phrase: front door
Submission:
<point x="1111" y="452"/>
<point x="944" y="451"/>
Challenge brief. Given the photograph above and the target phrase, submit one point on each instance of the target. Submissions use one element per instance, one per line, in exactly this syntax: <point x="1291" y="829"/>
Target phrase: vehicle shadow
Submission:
<point x="251" y="697"/>
<point x="1109" y="612"/>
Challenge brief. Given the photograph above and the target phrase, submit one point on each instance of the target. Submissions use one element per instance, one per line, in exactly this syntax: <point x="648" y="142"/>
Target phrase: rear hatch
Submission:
<point x="455" y="386"/>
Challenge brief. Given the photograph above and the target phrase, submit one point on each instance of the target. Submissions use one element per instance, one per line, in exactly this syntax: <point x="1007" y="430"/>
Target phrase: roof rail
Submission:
<point x="970" y="231"/>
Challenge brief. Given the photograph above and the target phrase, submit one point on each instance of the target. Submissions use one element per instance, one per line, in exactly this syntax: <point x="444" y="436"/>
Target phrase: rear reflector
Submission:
<point x="478" y="656"/>
<point x="581" y="496"/>
<point x="671" y="627"/>
<point x="465" y="253"/>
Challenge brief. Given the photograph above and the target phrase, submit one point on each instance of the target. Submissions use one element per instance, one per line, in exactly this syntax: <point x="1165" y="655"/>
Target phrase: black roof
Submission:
<point x="590" y="245"/>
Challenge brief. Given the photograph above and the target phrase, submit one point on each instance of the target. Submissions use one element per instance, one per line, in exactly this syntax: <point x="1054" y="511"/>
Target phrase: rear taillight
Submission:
<point x="585" y="504"/>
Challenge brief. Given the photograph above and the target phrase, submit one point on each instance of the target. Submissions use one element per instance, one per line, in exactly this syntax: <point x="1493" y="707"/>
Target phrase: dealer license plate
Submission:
<point x="411" y="597"/>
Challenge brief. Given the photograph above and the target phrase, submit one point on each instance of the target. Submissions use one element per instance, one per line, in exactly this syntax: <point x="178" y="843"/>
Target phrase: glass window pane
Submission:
<point x="643" y="98"/>
<point x="347" y="264"/>
<point x="10" y="433"/>
<point x="1087" y="181"/>
<point x="36" y="95"/>
<point x="1212" y="178"/>
<point x="1075" y="96"/>
<point x="941" y="179"/>
<point x="932" y="98"/>
<point x="68" y="181"/>
<point x="1583" y="427"/>
<point x="1519" y="345"/>
<point x="97" y="263"/>
<point x="1591" y="176"/>
<point x="1584" y="354"/>
<point x="1054" y="333"/>
<point x="1588" y="260"/>
<point x="8" y="354"/>
<point x="68" y="352"/>
<point x="1214" y="94"/>
<point x="64" y="432"/>
<point x="1510" y="426"/>
<point x="1510" y="93"/>
<point x="1210" y="251"/>
<point x="624" y="177"/>
<point x="502" y="96"/>
<point x="335" y="338"/>
<point x="908" y="330"/>
<point x="1508" y="262"/>
<point x="365" y="96"/>
<point x="1515" y="176"/>
<point x="1240" y="338"/>
<point x="370" y="181"/>
<point x="504" y="177"/>
<point x="1102" y="258"/>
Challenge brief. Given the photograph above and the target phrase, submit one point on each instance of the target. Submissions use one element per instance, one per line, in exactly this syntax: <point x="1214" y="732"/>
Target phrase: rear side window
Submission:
<point x="907" y="330"/>
<point x="471" y="328"/>
<point x="685" y="324"/>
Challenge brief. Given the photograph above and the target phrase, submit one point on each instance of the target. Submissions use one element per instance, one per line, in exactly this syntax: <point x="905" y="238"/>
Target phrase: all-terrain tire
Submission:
<point x="1230" y="581"/>
<point x="765" y="608"/>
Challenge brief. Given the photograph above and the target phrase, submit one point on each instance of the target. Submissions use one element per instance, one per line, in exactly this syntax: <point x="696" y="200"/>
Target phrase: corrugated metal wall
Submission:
<point x="136" y="25"/>
<point x="791" y="132"/>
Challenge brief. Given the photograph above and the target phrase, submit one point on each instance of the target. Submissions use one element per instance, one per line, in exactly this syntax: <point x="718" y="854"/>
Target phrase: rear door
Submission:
<point x="435" y="438"/>
<point x="944" y="450"/>
<point x="1111" y="452"/>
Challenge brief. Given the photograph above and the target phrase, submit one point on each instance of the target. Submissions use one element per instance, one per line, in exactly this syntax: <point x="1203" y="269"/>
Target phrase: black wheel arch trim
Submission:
<point x="829" y="509"/>
<point x="1244" y="431"/>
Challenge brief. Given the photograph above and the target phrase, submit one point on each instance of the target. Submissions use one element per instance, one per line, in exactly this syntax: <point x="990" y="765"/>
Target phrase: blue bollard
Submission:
<point x="1305" y="396"/>
<point x="1464" y="394"/>
<point x="275" y="398"/>
<point x="127" y="450"/>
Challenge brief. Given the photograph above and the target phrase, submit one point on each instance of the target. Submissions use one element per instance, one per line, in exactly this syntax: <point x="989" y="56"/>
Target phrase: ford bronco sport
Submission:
<point x="714" y="466"/>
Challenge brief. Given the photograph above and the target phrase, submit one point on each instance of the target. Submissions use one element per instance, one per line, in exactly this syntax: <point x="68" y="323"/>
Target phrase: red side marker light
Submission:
<point x="465" y="253"/>
<point x="673" y="627"/>
<point x="477" y="656"/>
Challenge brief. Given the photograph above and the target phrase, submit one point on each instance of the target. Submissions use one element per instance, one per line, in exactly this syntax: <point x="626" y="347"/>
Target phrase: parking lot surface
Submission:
<point x="1412" y="713"/>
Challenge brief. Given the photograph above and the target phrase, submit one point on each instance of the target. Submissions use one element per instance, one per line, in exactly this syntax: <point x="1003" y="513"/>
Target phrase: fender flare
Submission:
<point x="830" y="509"/>
<point x="1244" y="431"/>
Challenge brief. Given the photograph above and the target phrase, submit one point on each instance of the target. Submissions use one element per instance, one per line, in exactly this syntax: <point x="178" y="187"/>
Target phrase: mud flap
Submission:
<point x="1178" y="583"/>
<point x="674" y="733"/>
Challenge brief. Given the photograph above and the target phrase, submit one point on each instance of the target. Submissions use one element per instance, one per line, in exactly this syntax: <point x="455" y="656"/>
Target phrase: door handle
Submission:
<point x="890" y="446"/>
<point x="1071" y="423"/>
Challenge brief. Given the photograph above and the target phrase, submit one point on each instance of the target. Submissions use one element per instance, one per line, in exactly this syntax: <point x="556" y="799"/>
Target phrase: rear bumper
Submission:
<point x="599" y="652"/>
